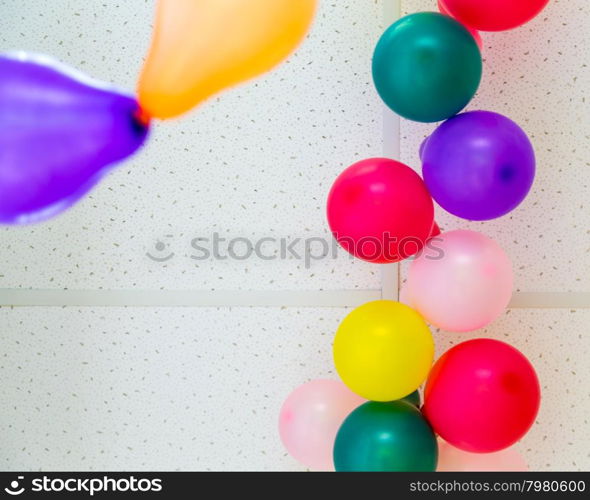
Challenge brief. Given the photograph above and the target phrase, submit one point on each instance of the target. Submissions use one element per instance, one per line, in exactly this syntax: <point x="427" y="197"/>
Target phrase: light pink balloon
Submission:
<point x="462" y="281"/>
<point x="404" y="296"/>
<point x="451" y="459"/>
<point x="310" y="418"/>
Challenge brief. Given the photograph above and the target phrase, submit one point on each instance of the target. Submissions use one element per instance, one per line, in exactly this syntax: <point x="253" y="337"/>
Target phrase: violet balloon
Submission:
<point x="478" y="165"/>
<point x="60" y="133"/>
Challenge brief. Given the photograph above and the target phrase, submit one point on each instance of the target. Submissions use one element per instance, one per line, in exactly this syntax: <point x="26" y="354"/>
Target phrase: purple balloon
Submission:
<point x="478" y="165"/>
<point x="60" y="132"/>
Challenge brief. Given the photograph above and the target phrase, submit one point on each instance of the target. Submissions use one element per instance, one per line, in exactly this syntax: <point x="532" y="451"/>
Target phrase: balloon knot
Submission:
<point x="142" y="117"/>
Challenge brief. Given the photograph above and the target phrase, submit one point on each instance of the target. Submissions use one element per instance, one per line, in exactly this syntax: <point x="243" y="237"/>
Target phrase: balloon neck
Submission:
<point x="422" y="148"/>
<point x="435" y="231"/>
<point x="142" y="117"/>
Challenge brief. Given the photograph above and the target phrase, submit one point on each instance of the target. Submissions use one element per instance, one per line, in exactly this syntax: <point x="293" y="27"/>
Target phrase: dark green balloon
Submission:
<point x="413" y="399"/>
<point x="380" y="437"/>
<point x="427" y="67"/>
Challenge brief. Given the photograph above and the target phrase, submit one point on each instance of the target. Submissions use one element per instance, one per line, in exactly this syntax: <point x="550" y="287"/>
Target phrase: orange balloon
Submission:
<point x="203" y="46"/>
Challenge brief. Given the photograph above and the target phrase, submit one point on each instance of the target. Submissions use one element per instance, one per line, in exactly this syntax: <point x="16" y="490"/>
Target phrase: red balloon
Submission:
<point x="493" y="15"/>
<point x="435" y="231"/>
<point x="379" y="210"/>
<point x="482" y="396"/>
<point x="474" y="33"/>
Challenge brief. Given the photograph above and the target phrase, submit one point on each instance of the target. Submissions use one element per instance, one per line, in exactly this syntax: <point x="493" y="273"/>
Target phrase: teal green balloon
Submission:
<point x="385" y="437"/>
<point x="427" y="67"/>
<point x="413" y="399"/>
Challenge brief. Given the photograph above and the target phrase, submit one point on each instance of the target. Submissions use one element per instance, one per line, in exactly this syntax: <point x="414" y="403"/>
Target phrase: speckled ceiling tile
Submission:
<point x="256" y="162"/>
<point x="194" y="389"/>
<point x="154" y="389"/>
<point x="539" y="76"/>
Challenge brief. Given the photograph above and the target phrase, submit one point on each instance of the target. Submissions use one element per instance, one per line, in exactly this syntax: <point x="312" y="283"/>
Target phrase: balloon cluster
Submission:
<point x="61" y="132"/>
<point x="482" y="395"/>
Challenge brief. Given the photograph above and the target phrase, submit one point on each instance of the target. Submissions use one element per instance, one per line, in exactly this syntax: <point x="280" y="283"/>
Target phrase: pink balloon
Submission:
<point x="451" y="459"/>
<point x="404" y="298"/>
<point x="310" y="418"/>
<point x="462" y="281"/>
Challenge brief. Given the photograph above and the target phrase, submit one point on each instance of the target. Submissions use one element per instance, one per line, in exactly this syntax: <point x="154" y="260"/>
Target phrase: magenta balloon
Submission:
<point x="60" y="132"/>
<point x="462" y="281"/>
<point x="478" y="165"/>
<point x="310" y="419"/>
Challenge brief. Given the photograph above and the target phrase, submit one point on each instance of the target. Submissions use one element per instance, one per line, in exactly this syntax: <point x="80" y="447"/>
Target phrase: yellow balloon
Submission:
<point x="203" y="46"/>
<point x="383" y="350"/>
